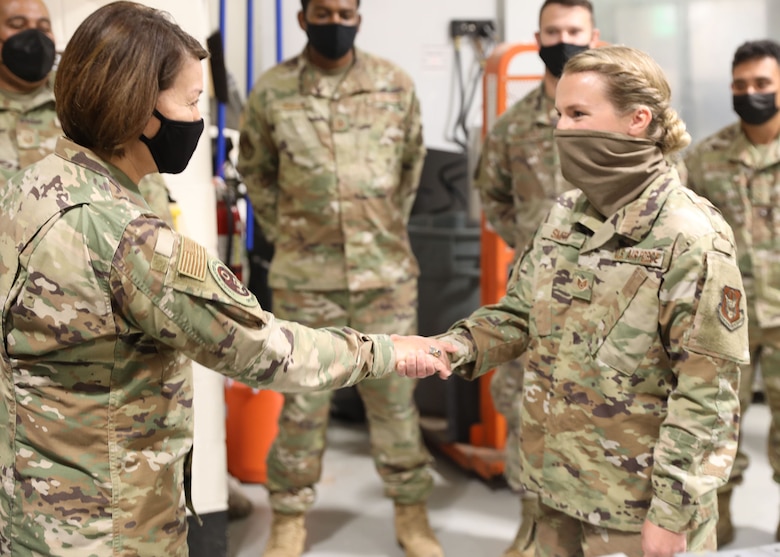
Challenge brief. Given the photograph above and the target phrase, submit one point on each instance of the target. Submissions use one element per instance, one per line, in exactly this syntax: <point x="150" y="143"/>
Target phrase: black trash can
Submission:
<point x="447" y="247"/>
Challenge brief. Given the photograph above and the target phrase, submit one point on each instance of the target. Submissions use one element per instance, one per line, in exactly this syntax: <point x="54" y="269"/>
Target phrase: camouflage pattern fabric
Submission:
<point x="155" y="192"/>
<point x="332" y="173"/>
<point x="626" y="417"/>
<point x="332" y="163"/>
<point x="741" y="180"/>
<point x="29" y="128"/>
<point x="295" y="459"/>
<point x="518" y="177"/>
<point x="518" y="180"/>
<point x="99" y="299"/>
<point x="560" y="535"/>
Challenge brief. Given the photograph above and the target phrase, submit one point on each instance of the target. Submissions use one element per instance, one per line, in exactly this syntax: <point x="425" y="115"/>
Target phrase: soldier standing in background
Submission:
<point x="518" y="180"/>
<point x="738" y="169"/>
<point x="28" y="123"/>
<point x="629" y="308"/>
<point x="331" y="152"/>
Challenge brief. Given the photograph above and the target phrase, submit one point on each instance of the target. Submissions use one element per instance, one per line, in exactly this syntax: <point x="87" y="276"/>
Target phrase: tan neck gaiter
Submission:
<point x="612" y="169"/>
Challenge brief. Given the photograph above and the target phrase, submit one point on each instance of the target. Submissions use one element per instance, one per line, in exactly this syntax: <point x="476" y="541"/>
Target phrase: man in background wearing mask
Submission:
<point x="518" y="179"/>
<point x="738" y="169"/>
<point x="331" y="152"/>
<point x="28" y="124"/>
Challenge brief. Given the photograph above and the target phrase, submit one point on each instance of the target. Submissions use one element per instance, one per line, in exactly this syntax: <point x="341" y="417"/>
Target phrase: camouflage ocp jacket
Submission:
<point x="100" y="298"/>
<point x="632" y="327"/>
<point x="332" y="166"/>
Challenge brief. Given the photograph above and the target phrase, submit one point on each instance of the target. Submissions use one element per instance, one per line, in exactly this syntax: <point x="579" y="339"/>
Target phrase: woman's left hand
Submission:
<point x="659" y="542"/>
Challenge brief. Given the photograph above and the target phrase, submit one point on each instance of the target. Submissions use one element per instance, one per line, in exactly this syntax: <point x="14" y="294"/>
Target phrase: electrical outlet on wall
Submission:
<point x="485" y="28"/>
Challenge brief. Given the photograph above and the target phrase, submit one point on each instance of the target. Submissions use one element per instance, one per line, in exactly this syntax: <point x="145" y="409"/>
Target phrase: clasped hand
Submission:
<point x="419" y="357"/>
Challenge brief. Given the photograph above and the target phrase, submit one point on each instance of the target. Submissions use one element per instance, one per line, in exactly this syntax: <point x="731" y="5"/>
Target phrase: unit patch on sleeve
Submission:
<point x="228" y="282"/>
<point x="729" y="310"/>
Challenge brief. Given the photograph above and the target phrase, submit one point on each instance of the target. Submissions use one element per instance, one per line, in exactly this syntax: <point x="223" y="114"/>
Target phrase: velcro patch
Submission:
<point x="641" y="256"/>
<point x="163" y="250"/>
<point x="726" y="336"/>
<point x="193" y="259"/>
<point x="582" y="285"/>
<point x="730" y="309"/>
<point x="230" y="284"/>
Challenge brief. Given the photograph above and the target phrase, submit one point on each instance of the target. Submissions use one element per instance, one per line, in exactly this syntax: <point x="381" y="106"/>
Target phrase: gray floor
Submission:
<point x="471" y="518"/>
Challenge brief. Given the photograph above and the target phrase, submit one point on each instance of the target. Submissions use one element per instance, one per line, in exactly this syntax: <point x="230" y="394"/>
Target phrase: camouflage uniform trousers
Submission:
<point x="764" y="356"/>
<point x="506" y="388"/>
<point x="560" y="535"/>
<point x="295" y="460"/>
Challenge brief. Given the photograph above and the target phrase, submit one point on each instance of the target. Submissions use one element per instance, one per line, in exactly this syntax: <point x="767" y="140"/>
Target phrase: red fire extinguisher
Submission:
<point x="230" y="231"/>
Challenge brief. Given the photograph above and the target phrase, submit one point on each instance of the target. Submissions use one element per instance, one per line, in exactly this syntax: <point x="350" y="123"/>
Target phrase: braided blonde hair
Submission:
<point x="634" y="79"/>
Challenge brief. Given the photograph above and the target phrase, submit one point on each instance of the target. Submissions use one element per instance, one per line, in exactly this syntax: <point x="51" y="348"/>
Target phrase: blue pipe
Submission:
<point x="221" y="110"/>
<point x="250" y="46"/>
<point x="279" y="48"/>
<point x="250" y="71"/>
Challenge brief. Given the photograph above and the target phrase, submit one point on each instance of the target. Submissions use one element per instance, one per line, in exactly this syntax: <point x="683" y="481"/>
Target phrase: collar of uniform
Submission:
<point x="76" y="154"/>
<point x="25" y="102"/>
<point x="634" y="221"/>
<point x="356" y="80"/>
<point x="744" y="152"/>
<point x="545" y="108"/>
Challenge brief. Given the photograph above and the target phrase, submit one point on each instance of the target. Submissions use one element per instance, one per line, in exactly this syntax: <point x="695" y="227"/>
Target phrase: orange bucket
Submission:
<point x="251" y="425"/>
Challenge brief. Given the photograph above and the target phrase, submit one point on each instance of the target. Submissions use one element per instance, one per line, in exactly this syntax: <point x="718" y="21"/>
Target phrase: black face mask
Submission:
<point x="29" y="55"/>
<point x="755" y="109"/>
<point x="556" y="56"/>
<point x="333" y="40"/>
<point x="173" y="145"/>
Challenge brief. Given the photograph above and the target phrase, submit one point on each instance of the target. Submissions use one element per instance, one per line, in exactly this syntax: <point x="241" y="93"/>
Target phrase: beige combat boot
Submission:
<point x="414" y="533"/>
<point x="287" y="537"/>
<point x="524" y="544"/>
<point x="725" y="529"/>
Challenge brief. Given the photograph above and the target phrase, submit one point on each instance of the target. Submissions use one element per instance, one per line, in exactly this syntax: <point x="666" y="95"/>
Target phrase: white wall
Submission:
<point x="520" y="20"/>
<point x="412" y="33"/>
<point x="195" y="194"/>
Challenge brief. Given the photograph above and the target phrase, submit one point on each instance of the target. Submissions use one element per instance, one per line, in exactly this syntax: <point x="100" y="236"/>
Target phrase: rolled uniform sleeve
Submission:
<point x="703" y="319"/>
<point x="258" y="164"/>
<point x="497" y="333"/>
<point x="167" y="286"/>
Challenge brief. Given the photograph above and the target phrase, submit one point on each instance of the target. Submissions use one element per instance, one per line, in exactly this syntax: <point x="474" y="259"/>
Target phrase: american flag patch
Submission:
<point x="193" y="260"/>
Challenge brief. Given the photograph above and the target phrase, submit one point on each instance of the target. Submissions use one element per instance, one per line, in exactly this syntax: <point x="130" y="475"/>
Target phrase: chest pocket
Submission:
<point x="377" y="137"/>
<point x="302" y="136"/>
<point x="626" y="319"/>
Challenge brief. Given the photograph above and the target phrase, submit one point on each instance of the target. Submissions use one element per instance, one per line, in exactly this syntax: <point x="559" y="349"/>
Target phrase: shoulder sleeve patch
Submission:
<point x="230" y="284"/>
<point x="163" y="250"/>
<point x="193" y="259"/>
<point x="720" y="324"/>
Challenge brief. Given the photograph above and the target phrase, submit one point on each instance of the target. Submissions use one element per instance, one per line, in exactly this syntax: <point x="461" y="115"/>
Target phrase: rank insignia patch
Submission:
<point x="730" y="311"/>
<point x="228" y="282"/>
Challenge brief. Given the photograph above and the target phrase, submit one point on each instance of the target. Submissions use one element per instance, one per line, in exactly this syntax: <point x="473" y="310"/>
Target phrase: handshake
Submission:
<point x="419" y="357"/>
